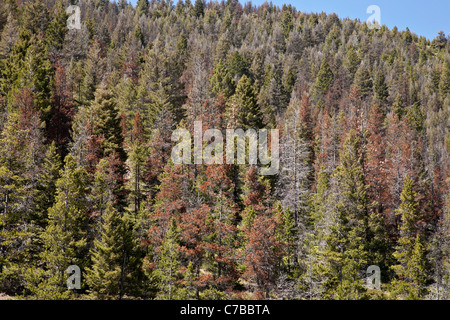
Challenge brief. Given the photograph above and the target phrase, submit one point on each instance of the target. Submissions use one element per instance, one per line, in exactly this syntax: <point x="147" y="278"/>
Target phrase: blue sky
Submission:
<point x="423" y="17"/>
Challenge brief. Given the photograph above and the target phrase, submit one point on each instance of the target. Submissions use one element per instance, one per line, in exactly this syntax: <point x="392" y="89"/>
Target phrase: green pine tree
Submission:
<point x="410" y="252"/>
<point x="346" y="253"/>
<point x="415" y="117"/>
<point x="288" y="236"/>
<point x="65" y="237"/>
<point x="12" y="62"/>
<point x="116" y="259"/>
<point x="8" y="37"/>
<point x="142" y="7"/>
<point x="237" y="65"/>
<point x="168" y="265"/>
<point x="13" y="215"/>
<point x="57" y="27"/>
<point x="46" y="186"/>
<point x="244" y="110"/>
<point x="363" y="81"/>
<point x="352" y="61"/>
<point x="222" y="81"/>
<point x="380" y="87"/>
<point x="398" y="108"/>
<point x="444" y="83"/>
<point x="198" y="10"/>
<point x="107" y="123"/>
<point x="323" y="80"/>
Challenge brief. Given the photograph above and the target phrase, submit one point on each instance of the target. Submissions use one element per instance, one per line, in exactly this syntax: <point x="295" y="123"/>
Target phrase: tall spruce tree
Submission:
<point x="107" y="123"/>
<point x="380" y="87"/>
<point x="323" y="80"/>
<point x="347" y="245"/>
<point x="243" y="110"/>
<point x="65" y="240"/>
<point x="168" y="265"/>
<point x="116" y="259"/>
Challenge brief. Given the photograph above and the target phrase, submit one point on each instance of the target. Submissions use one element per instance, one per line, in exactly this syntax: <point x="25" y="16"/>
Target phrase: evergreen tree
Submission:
<point x="262" y="249"/>
<point x="295" y="178"/>
<point x="94" y="68"/>
<point x="65" y="239"/>
<point x="170" y="202"/>
<point x="168" y="265"/>
<point x="221" y="81"/>
<point x="8" y="37"/>
<point x="410" y="252"/>
<point x="107" y="124"/>
<point x="363" y="81"/>
<point x="237" y="65"/>
<point x="115" y="258"/>
<point x="287" y="24"/>
<point x="444" y="84"/>
<point x="142" y="7"/>
<point x="46" y="186"/>
<point x="352" y="61"/>
<point x="322" y="216"/>
<point x="137" y="156"/>
<point x="323" y="80"/>
<point x="380" y="87"/>
<point x="35" y="17"/>
<point x="61" y="113"/>
<point x="29" y="67"/>
<point x="57" y="27"/>
<point x="107" y="98"/>
<point x="398" y="108"/>
<point x="244" y="111"/>
<point x="415" y="117"/>
<point x="198" y="8"/>
<point x="217" y="188"/>
<point x="288" y="236"/>
<point x="12" y="193"/>
<point x="347" y="245"/>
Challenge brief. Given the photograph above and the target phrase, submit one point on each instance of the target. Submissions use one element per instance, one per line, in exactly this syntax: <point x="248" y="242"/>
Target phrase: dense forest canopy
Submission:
<point x="87" y="179"/>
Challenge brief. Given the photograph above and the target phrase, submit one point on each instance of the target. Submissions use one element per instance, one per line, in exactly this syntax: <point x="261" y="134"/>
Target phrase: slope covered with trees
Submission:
<point x="87" y="179"/>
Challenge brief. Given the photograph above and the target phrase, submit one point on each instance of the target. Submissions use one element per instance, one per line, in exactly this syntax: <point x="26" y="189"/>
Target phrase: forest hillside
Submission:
<point x="89" y="187"/>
